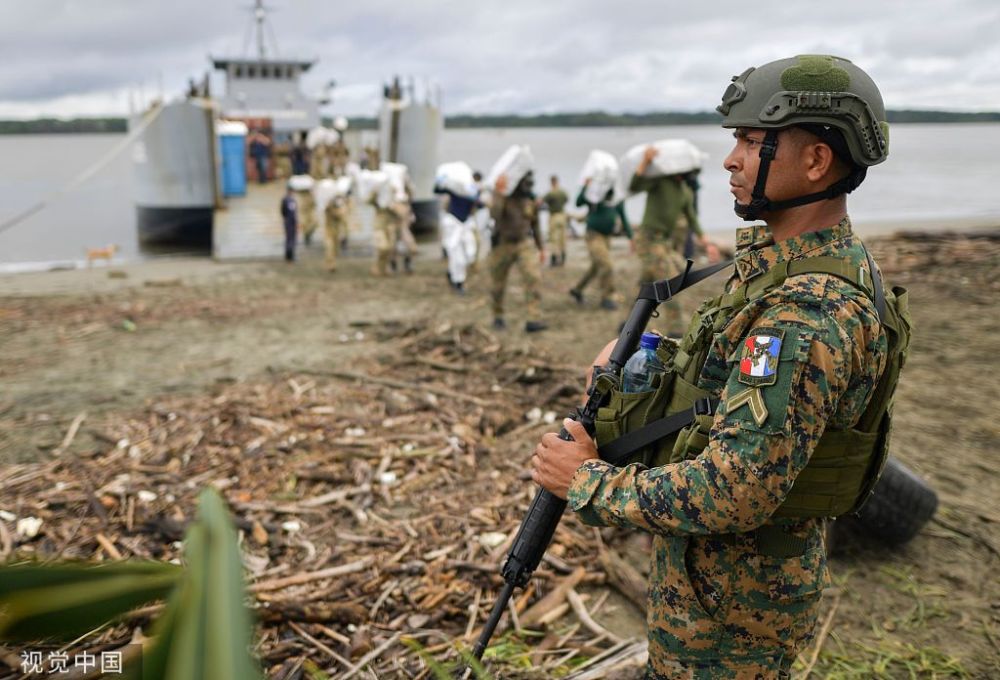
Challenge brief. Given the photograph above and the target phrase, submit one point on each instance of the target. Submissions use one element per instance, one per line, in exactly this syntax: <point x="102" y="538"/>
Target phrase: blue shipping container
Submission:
<point x="232" y="152"/>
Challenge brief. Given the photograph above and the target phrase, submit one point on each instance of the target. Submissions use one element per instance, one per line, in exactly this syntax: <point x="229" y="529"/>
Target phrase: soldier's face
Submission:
<point x="784" y="179"/>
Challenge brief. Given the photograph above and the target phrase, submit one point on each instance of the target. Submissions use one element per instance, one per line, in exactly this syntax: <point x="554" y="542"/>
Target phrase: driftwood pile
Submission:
<point x="940" y="256"/>
<point x="374" y="506"/>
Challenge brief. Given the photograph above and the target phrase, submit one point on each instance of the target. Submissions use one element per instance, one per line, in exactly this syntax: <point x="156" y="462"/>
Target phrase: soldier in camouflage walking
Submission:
<point x="668" y="217"/>
<point x="555" y="202"/>
<point x="802" y="353"/>
<point x="335" y="228"/>
<point x="516" y="218"/>
<point x="601" y="221"/>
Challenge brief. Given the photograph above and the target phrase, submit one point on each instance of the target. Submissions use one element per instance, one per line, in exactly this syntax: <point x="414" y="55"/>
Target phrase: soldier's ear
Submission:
<point x="821" y="162"/>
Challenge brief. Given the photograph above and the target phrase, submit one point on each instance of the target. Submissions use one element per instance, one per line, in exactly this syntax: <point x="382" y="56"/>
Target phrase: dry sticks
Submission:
<point x="374" y="503"/>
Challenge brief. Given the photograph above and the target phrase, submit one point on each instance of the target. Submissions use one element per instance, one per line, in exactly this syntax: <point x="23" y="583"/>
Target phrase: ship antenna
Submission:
<point x="259" y="26"/>
<point x="260" y="14"/>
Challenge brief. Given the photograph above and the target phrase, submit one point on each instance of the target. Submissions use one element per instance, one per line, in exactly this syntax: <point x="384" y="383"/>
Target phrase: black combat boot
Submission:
<point x="499" y="324"/>
<point x="577" y="295"/>
<point x="535" y="326"/>
<point x="553" y="260"/>
<point x="609" y="304"/>
<point x="408" y="264"/>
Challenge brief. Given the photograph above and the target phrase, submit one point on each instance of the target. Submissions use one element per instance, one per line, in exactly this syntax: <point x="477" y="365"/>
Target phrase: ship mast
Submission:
<point x="263" y="31"/>
<point x="260" y="14"/>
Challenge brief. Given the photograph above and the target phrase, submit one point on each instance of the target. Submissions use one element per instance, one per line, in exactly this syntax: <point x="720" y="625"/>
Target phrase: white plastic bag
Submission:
<point x="301" y="182"/>
<point x="394" y="190"/>
<point x="514" y="164"/>
<point x="321" y="136"/>
<point x="456" y="177"/>
<point x="369" y="182"/>
<point x="673" y="157"/>
<point x="327" y="190"/>
<point x="601" y="169"/>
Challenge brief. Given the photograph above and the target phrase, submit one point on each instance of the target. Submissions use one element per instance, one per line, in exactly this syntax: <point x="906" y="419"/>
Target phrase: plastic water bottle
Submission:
<point x="637" y="376"/>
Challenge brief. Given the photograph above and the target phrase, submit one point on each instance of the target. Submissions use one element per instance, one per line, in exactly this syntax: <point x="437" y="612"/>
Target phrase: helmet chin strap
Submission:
<point x="759" y="203"/>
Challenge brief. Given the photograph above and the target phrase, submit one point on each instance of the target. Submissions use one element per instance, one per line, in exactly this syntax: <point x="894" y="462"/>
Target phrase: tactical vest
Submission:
<point x="845" y="465"/>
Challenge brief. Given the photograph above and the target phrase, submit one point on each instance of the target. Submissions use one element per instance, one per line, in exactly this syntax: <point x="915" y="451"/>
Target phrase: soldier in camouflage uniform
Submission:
<point x="388" y="222"/>
<point x="338" y="156"/>
<point x="307" y="214"/>
<point x="735" y="583"/>
<point x="555" y="201"/>
<point x="668" y="215"/>
<point x="335" y="228"/>
<point x="516" y="218"/>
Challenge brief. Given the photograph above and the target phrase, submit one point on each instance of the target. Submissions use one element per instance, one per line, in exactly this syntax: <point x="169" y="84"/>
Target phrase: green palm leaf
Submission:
<point x="39" y="601"/>
<point x="206" y="631"/>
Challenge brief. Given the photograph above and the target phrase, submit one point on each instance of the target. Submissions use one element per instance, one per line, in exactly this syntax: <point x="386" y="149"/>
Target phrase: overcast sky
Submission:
<point x="85" y="57"/>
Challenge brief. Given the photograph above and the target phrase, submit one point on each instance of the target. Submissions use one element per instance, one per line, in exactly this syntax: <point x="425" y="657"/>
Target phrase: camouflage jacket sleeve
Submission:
<point x="750" y="463"/>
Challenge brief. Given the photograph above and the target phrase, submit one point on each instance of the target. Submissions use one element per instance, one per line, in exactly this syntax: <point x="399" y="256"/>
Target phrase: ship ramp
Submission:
<point x="249" y="227"/>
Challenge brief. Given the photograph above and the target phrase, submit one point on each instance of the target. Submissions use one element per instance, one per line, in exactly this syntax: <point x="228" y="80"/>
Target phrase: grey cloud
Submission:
<point x="522" y="56"/>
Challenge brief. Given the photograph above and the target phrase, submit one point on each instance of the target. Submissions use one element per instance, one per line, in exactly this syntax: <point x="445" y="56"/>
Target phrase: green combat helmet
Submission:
<point x="828" y="96"/>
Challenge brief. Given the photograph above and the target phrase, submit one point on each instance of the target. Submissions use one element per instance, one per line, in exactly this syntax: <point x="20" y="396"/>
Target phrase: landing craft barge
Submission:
<point x="178" y="187"/>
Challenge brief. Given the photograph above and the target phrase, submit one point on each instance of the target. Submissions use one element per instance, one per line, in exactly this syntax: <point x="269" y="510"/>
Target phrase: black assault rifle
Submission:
<point x="546" y="509"/>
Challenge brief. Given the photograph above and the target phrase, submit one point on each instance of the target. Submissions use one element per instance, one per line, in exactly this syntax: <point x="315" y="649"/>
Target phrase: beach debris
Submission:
<point x="28" y="527"/>
<point x="374" y="505"/>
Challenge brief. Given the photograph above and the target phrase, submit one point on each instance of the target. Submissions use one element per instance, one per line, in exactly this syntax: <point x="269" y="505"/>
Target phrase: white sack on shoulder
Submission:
<point x="456" y="177"/>
<point x="301" y="182"/>
<point x="674" y="157"/>
<point x="602" y="170"/>
<point x="514" y="164"/>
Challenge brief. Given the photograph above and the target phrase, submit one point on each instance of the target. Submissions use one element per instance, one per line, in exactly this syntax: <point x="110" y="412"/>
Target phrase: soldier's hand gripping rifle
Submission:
<point x="546" y="509"/>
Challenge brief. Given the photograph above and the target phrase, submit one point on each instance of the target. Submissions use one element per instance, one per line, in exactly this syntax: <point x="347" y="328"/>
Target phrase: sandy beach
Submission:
<point x="113" y="345"/>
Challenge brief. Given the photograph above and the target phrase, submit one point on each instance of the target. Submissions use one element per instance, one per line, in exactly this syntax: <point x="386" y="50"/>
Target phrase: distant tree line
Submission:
<point x="60" y="126"/>
<point x="911" y="116"/>
<point x="571" y="119"/>
<point x="605" y="119"/>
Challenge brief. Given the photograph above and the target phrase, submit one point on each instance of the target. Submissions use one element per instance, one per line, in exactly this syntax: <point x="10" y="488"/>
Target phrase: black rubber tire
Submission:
<point x="900" y="506"/>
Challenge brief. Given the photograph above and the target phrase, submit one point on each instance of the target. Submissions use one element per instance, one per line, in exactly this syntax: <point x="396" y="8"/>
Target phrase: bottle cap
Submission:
<point x="649" y="341"/>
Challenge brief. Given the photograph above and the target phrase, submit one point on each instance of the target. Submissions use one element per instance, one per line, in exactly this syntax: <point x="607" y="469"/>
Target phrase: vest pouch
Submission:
<point x="677" y="447"/>
<point x="690" y="442"/>
<point x="628" y="411"/>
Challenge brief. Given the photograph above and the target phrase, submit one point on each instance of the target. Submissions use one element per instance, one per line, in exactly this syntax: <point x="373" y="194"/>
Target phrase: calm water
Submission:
<point x="935" y="171"/>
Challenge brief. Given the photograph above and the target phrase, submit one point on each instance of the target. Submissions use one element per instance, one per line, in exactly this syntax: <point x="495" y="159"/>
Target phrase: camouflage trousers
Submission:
<point x="307" y="213"/>
<point x="717" y="608"/>
<point x="384" y="237"/>
<point x="525" y="256"/>
<point x="335" y="228"/>
<point x="659" y="260"/>
<point x="557" y="233"/>
<point x="599" y="247"/>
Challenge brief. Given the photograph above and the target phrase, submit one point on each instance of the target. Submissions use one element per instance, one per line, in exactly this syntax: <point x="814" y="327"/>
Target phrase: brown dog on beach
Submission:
<point x="105" y="253"/>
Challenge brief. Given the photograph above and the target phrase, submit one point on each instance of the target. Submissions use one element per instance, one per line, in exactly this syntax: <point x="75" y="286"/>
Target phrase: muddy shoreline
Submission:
<point x="112" y="344"/>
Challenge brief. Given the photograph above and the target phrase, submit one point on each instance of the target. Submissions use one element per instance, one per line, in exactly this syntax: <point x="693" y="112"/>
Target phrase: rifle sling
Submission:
<point x="663" y="290"/>
<point x="616" y="451"/>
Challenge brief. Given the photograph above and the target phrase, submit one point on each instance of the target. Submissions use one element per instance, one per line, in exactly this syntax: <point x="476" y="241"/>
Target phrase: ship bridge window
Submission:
<point x="238" y="71"/>
<point x="251" y="72"/>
